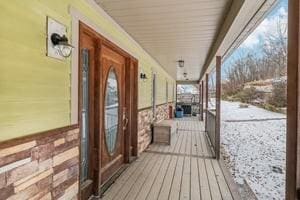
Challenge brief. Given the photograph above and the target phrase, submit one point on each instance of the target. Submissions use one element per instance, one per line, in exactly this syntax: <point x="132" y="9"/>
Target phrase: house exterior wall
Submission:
<point x="35" y="97"/>
<point x="145" y="88"/>
<point x="35" y="89"/>
<point x="44" y="166"/>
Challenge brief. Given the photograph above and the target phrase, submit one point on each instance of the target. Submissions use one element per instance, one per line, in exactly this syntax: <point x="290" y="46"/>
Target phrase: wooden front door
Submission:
<point x="113" y="111"/>
<point x="108" y="118"/>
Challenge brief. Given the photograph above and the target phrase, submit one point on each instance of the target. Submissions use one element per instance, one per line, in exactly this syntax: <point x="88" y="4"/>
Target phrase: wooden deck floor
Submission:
<point x="183" y="170"/>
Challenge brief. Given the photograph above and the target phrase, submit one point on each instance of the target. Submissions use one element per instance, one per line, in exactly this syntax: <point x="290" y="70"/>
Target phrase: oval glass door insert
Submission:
<point x="111" y="111"/>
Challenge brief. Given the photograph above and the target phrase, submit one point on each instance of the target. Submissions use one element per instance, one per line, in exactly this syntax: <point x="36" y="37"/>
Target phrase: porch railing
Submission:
<point x="212" y="131"/>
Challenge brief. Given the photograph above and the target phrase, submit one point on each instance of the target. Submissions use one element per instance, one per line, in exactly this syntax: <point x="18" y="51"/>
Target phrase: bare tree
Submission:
<point x="268" y="63"/>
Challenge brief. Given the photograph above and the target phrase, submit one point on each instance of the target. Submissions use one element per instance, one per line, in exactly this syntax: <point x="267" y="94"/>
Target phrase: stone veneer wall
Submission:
<point x="144" y="128"/>
<point x="45" y="167"/>
<point x="162" y="112"/>
<point x="145" y="120"/>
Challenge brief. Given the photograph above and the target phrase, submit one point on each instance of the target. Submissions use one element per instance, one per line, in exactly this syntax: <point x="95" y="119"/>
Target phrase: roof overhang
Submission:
<point x="171" y="30"/>
<point x="195" y="31"/>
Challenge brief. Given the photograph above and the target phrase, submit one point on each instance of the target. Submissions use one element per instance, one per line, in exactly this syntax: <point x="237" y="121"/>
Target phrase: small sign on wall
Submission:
<point x="54" y="26"/>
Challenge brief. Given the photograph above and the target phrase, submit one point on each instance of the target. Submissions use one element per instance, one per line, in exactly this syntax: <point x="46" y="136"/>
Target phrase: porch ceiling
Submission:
<point x="172" y="29"/>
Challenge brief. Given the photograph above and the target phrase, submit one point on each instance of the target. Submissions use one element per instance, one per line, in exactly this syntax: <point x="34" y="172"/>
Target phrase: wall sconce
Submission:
<point x="181" y="63"/>
<point x="61" y="43"/>
<point x="143" y="76"/>
<point x="184" y="74"/>
<point x="58" y="45"/>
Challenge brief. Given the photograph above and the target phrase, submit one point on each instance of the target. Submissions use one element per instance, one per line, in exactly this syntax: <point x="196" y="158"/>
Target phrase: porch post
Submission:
<point x="292" y="142"/>
<point x="199" y="90"/>
<point x="201" y="100"/>
<point x="206" y="100"/>
<point x="218" y="105"/>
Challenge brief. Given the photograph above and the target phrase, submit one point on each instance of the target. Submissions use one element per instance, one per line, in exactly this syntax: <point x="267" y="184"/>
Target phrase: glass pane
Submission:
<point x="111" y="111"/>
<point x="84" y="116"/>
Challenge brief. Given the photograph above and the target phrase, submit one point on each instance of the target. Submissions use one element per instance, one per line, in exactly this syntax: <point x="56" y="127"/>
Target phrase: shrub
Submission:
<point x="270" y="107"/>
<point x="230" y="89"/>
<point x="246" y="95"/>
<point x="278" y="97"/>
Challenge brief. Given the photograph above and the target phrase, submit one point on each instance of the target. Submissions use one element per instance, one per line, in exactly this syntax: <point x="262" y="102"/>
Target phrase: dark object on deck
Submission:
<point x="187" y="109"/>
<point x="179" y="112"/>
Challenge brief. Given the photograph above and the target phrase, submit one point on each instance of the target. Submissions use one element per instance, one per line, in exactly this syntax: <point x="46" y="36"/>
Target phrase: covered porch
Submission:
<point x="186" y="169"/>
<point x="78" y="124"/>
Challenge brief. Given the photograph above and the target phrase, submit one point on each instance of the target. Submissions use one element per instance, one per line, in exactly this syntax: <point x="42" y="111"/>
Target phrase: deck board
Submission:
<point x="144" y="191"/>
<point x="185" y="180"/>
<point x="213" y="184"/>
<point x="204" y="186"/>
<point x="148" y="173"/>
<point x="167" y="184"/>
<point x="195" y="183"/>
<point x="157" y="185"/>
<point x="183" y="170"/>
<point x="176" y="184"/>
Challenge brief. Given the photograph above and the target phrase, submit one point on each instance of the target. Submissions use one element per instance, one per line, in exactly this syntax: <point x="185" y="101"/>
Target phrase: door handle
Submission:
<point x="125" y="119"/>
<point x="126" y="123"/>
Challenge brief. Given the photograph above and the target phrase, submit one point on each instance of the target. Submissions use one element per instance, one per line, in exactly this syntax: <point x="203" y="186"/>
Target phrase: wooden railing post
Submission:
<point x="218" y="105"/>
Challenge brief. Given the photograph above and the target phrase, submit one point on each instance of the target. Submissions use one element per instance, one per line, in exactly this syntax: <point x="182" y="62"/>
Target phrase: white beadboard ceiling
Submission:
<point x="170" y="30"/>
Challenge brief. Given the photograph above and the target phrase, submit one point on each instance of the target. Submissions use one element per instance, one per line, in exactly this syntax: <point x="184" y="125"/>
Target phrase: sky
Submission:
<point x="256" y="38"/>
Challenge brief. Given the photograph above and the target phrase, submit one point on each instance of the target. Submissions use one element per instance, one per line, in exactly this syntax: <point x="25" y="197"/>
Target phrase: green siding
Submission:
<point x="35" y="89"/>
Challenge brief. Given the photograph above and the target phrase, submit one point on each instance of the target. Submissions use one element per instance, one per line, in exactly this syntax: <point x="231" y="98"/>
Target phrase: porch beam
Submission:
<point x="229" y="19"/>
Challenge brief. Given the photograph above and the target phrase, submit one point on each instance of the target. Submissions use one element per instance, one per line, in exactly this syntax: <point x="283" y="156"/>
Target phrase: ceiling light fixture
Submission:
<point x="181" y="63"/>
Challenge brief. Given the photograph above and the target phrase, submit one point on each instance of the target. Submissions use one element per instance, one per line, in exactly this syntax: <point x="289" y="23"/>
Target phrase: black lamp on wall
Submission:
<point x="143" y="76"/>
<point x="61" y="43"/>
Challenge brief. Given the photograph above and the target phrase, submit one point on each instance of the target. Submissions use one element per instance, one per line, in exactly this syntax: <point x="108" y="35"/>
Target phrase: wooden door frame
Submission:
<point x="86" y="188"/>
<point x="131" y="79"/>
<point x="131" y="101"/>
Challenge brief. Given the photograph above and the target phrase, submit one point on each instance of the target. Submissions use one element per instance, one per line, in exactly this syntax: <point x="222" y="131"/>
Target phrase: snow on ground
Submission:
<point x="253" y="147"/>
